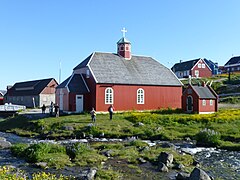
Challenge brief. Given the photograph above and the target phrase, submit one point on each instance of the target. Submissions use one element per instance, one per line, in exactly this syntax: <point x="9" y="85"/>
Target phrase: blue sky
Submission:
<point x="36" y="35"/>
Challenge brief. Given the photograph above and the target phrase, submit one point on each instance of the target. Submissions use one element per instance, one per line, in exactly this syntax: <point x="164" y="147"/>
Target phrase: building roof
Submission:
<point x="75" y="84"/>
<point x="123" y="40"/>
<point x="186" y="65"/>
<point x="233" y="60"/>
<point x="2" y="92"/>
<point x="29" y="87"/>
<point x="111" y="68"/>
<point x="204" y="92"/>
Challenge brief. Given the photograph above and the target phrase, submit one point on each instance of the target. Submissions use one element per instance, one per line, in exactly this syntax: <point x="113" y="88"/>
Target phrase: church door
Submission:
<point x="79" y="103"/>
<point x="189" y="104"/>
<point x="61" y="100"/>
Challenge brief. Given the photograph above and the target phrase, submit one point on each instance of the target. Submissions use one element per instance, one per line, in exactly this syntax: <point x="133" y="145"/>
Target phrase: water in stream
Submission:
<point x="217" y="163"/>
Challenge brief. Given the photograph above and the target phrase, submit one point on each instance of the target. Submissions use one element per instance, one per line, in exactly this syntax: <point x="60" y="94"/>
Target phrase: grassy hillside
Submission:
<point x="223" y="86"/>
<point x="156" y="125"/>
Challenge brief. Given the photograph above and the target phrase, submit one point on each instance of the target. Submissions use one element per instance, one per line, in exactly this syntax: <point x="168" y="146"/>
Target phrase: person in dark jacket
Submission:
<point x="111" y="110"/>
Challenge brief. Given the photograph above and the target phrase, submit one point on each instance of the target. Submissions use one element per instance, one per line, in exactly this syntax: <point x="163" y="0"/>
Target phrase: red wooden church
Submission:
<point x="201" y="99"/>
<point x="127" y="81"/>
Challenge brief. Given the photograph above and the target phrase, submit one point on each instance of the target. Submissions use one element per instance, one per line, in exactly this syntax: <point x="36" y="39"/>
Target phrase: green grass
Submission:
<point x="157" y="125"/>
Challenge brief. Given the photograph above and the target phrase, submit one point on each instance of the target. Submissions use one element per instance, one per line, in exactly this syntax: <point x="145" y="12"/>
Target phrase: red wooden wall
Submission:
<point x="125" y="97"/>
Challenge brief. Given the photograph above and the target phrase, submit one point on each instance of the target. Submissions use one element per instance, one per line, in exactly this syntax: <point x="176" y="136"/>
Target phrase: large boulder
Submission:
<point x="182" y="176"/>
<point x="4" y="144"/>
<point x="199" y="174"/>
<point x="162" y="167"/>
<point x="166" y="158"/>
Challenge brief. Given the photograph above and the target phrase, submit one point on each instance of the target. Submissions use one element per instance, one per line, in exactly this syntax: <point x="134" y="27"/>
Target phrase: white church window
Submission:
<point x="204" y="102"/>
<point x="109" y="96"/>
<point x="203" y="65"/>
<point x="140" y="96"/>
<point x="199" y="65"/>
<point x="211" y="102"/>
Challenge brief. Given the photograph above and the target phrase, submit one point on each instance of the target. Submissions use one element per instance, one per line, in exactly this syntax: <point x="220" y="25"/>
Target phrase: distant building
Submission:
<point x="127" y="81"/>
<point x="233" y="65"/>
<point x="195" y="68"/>
<point x="2" y="93"/>
<point x="32" y="93"/>
<point x="214" y="67"/>
<point x="201" y="99"/>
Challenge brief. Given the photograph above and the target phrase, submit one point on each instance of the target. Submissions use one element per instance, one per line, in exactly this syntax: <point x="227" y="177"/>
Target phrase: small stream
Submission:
<point x="217" y="163"/>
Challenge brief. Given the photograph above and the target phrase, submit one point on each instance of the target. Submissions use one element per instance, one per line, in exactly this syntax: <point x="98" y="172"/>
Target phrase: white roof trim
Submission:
<point x="94" y="77"/>
<point x="176" y="76"/>
<point x="204" y="63"/>
<point x="232" y="65"/>
<point x="85" y="83"/>
<point x="69" y="82"/>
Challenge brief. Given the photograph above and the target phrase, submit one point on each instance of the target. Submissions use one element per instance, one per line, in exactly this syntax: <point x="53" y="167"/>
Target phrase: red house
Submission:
<point x="199" y="98"/>
<point x="195" y="68"/>
<point x="127" y="81"/>
<point x="2" y="93"/>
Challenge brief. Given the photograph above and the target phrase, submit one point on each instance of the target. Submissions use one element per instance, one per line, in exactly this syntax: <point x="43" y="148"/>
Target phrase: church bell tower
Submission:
<point x="124" y="46"/>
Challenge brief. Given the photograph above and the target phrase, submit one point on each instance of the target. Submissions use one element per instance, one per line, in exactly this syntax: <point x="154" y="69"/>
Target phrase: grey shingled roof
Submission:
<point x="75" y="84"/>
<point x="114" y="69"/>
<point x="34" y="87"/>
<point x="204" y="92"/>
<point x="233" y="60"/>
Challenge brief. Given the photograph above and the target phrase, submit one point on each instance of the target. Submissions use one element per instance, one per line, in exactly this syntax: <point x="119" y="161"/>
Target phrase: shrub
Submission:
<point x="208" y="137"/>
<point x="138" y="143"/>
<point x="76" y="149"/>
<point x="36" y="152"/>
<point x="19" y="149"/>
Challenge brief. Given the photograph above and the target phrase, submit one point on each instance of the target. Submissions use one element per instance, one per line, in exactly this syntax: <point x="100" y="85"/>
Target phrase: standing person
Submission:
<point x="93" y="115"/>
<point x="111" y="110"/>
<point x="56" y="109"/>
<point x="43" y="109"/>
<point x="51" y="109"/>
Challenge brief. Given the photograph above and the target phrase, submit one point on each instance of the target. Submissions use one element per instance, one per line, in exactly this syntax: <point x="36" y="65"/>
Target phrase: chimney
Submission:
<point x="9" y="87"/>
<point x="180" y="61"/>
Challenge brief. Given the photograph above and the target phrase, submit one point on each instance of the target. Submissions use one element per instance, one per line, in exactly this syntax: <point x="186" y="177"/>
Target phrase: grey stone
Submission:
<point x="199" y="174"/>
<point x="166" y="158"/>
<point x="68" y="128"/>
<point x="178" y="166"/>
<point x="162" y="167"/>
<point x="91" y="173"/>
<point x="182" y="176"/>
<point x="5" y="144"/>
<point x="141" y="160"/>
<point x="107" y="153"/>
<point x="167" y="145"/>
<point x="41" y="165"/>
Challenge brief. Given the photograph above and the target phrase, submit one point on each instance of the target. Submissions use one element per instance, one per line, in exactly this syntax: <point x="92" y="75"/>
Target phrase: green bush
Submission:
<point x="19" y="149"/>
<point x="76" y="149"/>
<point x="37" y="152"/>
<point x="208" y="137"/>
<point x="138" y="143"/>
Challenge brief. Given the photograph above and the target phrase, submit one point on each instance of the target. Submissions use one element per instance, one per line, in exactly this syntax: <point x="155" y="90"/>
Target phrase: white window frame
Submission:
<point x="196" y="73"/>
<point x="203" y="65"/>
<point x="108" y="96"/>
<point x="211" y="102"/>
<point x="140" y="96"/>
<point x="204" y="102"/>
<point x="199" y="65"/>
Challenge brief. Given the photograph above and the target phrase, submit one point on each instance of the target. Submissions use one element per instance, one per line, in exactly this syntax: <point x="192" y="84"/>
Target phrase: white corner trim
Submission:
<point x="89" y="67"/>
<point x="85" y="83"/>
